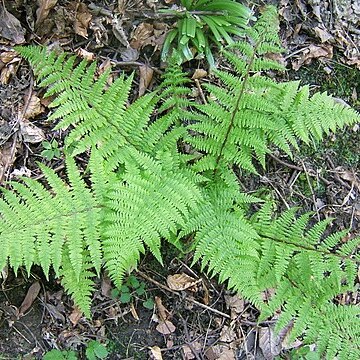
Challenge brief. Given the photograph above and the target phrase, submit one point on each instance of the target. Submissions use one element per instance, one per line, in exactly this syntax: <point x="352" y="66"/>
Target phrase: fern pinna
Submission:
<point x="141" y="188"/>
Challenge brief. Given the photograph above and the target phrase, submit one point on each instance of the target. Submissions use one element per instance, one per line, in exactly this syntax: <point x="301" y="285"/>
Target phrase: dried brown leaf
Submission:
<point x="87" y="55"/>
<point x="323" y="34"/>
<point x="8" y="56"/>
<point x="236" y="304"/>
<point x="191" y="351"/>
<point x="6" y="73"/>
<point x="75" y="316"/>
<point x="155" y="353"/>
<point x="43" y="10"/>
<point x="227" y="334"/>
<point x="220" y="352"/>
<point x="199" y="74"/>
<point x="270" y="343"/>
<point x="133" y="312"/>
<point x="119" y="31"/>
<point x="181" y="281"/>
<point x="106" y="286"/>
<point x="33" y="108"/>
<point x="10" y="26"/>
<point x="31" y="295"/>
<point x="165" y="327"/>
<point x="31" y="133"/>
<point x="142" y="33"/>
<point x="7" y="158"/>
<point x="146" y="75"/>
<point x="55" y="312"/>
<point x="313" y="52"/>
<point x="83" y="18"/>
<point x="130" y="54"/>
<point x="163" y="312"/>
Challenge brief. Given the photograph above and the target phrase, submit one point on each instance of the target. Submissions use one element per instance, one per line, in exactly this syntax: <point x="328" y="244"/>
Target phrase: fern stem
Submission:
<point x="308" y="248"/>
<point x="236" y="108"/>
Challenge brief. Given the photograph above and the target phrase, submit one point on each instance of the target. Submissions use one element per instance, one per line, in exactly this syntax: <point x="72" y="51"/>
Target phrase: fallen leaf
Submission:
<point x="55" y="312"/>
<point x="43" y="10"/>
<point x="5" y="272"/>
<point x="146" y="75"/>
<point x="31" y="295"/>
<point x="199" y="74"/>
<point x="322" y="33"/>
<point x="142" y="33"/>
<point x="10" y="27"/>
<point x="7" y="158"/>
<point x="236" y="305"/>
<point x="181" y="282"/>
<point x="75" y="316"/>
<point x="133" y="312"/>
<point x="83" y="18"/>
<point x="220" y="352"/>
<point x="33" y="108"/>
<point x="313" y="52"/>
<point x="23" y="171"/>
<point x="151" y="4"/>
<point x="163" y="312"/>
<point x="87" y="55"/>
<point x="165" y="327"/>
<point x="227" y="355"/>
<point x="119" y="31"/>
<point x="270" y="343"/>
<point x="227" y="334"/>
<point x="7" y="72"/>
<point x="31" y="133"/>
<point x="130" y="54"/>
<point x="189" y="351"/>
<point x="106" y="286"/>
<point x="8" y="56"/>
<point x="155" y="353"/>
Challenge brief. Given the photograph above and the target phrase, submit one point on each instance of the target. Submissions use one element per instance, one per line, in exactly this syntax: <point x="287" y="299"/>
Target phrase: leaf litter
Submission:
<point x="90" y="28"/>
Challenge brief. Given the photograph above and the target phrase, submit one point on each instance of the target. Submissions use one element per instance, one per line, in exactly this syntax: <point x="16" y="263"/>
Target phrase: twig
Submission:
<point x="312" y="191"/>
<point x="197" y="82"/>
<point x="131" y="63"/>
<point x="164" y="287"/>
<point x="299" y="168"/>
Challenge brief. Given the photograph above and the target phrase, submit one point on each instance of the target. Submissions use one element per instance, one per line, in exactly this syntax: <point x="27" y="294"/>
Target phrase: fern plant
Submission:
<point x="141" y="188"/>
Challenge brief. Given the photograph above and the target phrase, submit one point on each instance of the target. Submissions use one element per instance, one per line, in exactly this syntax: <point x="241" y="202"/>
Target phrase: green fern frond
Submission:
<point x="249" y="113"/>
<point x="150" y="202"/>
<point x="38" y="226"/>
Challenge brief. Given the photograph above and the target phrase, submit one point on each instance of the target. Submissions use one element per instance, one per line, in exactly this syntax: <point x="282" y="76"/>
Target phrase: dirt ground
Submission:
<point x="205" y="321"/>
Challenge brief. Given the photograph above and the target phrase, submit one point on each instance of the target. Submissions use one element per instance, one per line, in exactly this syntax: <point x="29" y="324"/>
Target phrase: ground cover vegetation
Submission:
<point x="166" y="169"/>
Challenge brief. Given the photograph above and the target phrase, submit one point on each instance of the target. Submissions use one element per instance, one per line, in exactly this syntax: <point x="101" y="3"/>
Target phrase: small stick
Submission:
<point x="164" y="287"/>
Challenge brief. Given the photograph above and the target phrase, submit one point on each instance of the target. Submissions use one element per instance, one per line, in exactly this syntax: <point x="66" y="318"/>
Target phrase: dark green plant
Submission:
<point x="131" y="288"/>
<point x="60" y="355"/>
<point x="202" y="23"/>
<point x="169" y="176"/>
<point x="95" y="350"/>
<point x="51" y="150"/>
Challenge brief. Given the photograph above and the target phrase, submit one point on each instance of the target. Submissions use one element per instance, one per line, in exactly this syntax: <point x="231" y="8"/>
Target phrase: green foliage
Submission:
<point x="141" y="188"/>
<point x="60" y="355"/>
<point x="95" y="350"/>
<point x="51" y="150"/>
<point x="247" y="114"/>
<point x="204" y="22"/>
<point x="130" y="289"/>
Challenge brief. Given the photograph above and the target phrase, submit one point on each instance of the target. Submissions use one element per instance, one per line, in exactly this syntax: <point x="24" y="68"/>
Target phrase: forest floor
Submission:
<point x="205" y="321"/>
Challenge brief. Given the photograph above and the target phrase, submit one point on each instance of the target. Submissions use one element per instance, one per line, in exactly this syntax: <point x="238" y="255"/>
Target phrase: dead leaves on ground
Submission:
<point x="333" y="25"/>
<point x="10" y="27"/>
